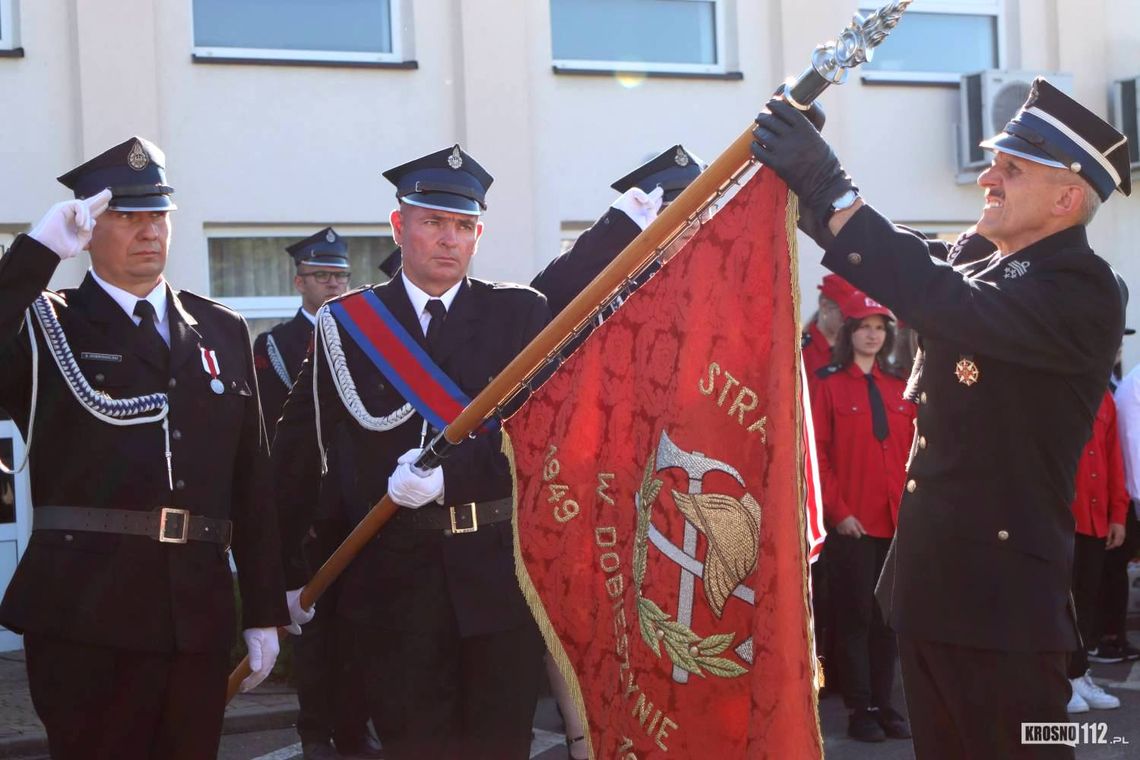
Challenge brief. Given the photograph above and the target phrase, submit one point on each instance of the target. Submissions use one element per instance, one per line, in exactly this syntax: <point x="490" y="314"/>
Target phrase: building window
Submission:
<point x="251" y="273"/>
<point x="639" y="35"/>
<point x="8" y="39"/>
<point x="938" y="41"/>
<point x="298" y="30"/>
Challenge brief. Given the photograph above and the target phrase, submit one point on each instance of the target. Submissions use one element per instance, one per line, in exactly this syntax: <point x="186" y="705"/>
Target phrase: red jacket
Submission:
<point x="816" y="351"/>
<point x="1101" y="497"/>
<point x="861" y="475"/>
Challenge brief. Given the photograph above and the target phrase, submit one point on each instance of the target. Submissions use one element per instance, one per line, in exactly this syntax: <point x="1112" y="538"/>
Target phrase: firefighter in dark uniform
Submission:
<point x="148" y="463"/>
<point x="644" y="192"/>
<point x="1017" y="349"/>
<point x="450" y="654"/>
<point x="322" y="273"/>
<point x="329" y="692"/>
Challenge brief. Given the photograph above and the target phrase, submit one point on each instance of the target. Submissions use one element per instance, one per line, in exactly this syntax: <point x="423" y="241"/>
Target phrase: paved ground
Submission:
<point x="259" y="725"/>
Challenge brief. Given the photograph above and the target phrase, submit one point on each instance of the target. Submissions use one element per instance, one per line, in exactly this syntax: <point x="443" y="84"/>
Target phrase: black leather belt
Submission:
<point x="464" y="518"/>
<point x="166" y="525"/>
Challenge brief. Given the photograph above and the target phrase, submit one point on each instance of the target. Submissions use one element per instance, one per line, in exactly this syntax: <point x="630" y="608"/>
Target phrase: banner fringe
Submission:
<point x="538" y="610"/>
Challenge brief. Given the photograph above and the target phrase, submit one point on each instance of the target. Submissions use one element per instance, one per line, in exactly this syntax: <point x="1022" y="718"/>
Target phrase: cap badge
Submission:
<point x="681" y="158"/>
<point x="137" y="159"/>
<point x="455" y="160"/>
<point x="967" y="372"/>
<point x="330" y="236"/>
<point x="1015" y="269"/>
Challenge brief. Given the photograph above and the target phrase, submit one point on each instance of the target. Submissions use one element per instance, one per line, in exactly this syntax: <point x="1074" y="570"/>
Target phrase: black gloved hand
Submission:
<point x="788" y="143"/>
<point x="815" y="113"/>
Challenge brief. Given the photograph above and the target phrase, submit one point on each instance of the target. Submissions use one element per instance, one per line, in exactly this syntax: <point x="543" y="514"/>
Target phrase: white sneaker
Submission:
<point x="1077" y="704"/>
<point x="1096" y="697"/>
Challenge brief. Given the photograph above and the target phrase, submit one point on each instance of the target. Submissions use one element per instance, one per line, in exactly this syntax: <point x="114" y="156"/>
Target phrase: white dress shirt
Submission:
<point x="127" y="301"/>
<point x="419" y="300"/>
<point x="311" y="317"/>
<point x="1127" y="398"/>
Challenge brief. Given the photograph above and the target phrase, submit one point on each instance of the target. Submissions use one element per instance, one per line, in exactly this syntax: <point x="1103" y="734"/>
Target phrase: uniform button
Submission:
<point x="176" y="435"/>
<point x="1093" y="475"/>
<point x="922" y="397"/>
<point x="100" y="377"/>
<point x="172" y="384"/>
<point x="1092" y="452"/>
<point x="922" y="442"/>
<point x="854" y="259"/>
<point x="1094" y="500"/>
<point x="68" y="537"/>
<point x="911" y="486"/>
<point x="854" y="408"/>
<point x="1003" y="535"/>
<point x="180" y="484"/>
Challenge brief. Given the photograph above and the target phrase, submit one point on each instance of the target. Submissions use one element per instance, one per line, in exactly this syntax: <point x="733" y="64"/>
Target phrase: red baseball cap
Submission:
<point x="859" y="305"/>
<point x="836" y="288"/>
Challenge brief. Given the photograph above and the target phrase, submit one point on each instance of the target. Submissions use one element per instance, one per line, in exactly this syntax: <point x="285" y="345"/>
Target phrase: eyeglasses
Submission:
<point x="323" y="277"/>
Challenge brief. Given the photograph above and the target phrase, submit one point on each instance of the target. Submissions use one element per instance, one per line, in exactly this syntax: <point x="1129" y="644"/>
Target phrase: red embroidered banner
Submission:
<point x="659" y="529"/>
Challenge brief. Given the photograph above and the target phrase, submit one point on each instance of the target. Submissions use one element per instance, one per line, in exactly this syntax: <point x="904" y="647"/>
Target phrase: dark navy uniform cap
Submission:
<point x="391" y="263"/>
<point x="672" y="171"/>
<point x="135" y="171"/>
<point x="322" y="249"/>
<point x="448" y="180"/>
<point x="1053" y="129"/>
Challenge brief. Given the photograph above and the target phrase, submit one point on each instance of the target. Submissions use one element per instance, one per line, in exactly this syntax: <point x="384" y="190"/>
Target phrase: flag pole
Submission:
<point x="830" y="62"/>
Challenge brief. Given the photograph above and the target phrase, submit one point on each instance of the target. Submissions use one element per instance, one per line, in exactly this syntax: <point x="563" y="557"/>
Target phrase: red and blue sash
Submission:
<point x="401" y="360"/>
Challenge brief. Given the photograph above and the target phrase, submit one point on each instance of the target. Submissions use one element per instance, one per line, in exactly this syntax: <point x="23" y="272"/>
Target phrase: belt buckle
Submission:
<point x="181" y="521"/>
<point x="474" y="519"/>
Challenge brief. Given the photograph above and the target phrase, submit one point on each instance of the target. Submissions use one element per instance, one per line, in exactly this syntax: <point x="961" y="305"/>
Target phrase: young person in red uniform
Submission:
<point x="1099" y="508"/>
<point x="823" y="330"/>
<point x="863" y="431"/>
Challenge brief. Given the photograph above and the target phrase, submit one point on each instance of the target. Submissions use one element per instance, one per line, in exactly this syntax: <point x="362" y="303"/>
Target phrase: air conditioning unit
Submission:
<point x="1126" y="115"/>
<point x="988" y="100"/>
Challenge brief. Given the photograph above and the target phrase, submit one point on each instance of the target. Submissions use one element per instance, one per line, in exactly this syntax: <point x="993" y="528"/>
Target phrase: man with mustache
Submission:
<point x="1016" y="351"/>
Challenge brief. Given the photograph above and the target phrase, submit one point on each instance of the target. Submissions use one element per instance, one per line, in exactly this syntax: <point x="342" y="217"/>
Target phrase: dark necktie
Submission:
<point x="878" y="410"/>
<point x="148" y="332"/>
<point x="438" y="313"/>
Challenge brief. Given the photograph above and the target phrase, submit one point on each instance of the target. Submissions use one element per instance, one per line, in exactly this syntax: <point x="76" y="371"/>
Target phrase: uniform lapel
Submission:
<point x="461" y="320"/>
<point x="120" y="330"/>
<point x="184" y="336"/>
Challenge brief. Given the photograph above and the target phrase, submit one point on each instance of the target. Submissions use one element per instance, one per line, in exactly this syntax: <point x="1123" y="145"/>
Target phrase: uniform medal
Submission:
<point x="210" y="364"/>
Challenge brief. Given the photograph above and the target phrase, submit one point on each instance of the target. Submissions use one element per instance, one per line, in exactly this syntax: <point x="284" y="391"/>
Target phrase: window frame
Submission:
<point x="989" y="8"/>
<point x="395" y="23"/>
<point x="279" y="307"/>
<point x="719" y="39"/>
<point x="9" y="25"/>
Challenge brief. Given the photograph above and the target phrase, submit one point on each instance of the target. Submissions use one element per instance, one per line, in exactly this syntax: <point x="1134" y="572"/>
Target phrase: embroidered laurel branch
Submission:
<point x="686" y="649"/>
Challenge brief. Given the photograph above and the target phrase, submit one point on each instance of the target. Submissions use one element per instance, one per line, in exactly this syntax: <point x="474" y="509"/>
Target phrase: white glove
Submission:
<point x="263" y="648"/>
<point x="297" y="613"/>
<point x="640" y="206"/>
<point x="66" y="227"/>
<point x="411" y="487"/>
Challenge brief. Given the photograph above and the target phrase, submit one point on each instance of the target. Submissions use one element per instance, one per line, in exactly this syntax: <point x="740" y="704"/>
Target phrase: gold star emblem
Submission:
<point x="967" y="372"/>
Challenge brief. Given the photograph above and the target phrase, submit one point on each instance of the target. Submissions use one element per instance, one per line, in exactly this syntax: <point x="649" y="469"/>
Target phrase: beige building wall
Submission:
<point x="297" y="147"/>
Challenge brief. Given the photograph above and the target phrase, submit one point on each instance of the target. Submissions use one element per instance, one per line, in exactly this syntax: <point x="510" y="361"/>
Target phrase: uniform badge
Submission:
<point x="1015" y="269"/>
<point x="210" y="364"/>
<point x="967" y="372"/>
<point x="455" y="160"/>
<point x="330" y="236"/>
<point x="137" y="159"/>
<point x="681" y="158"/>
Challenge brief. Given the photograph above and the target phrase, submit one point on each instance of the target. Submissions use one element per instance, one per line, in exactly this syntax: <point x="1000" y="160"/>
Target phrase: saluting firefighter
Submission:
<point x="148" y="463"/>
<point x="1016" y="352"/>
<point x="322" y="272"/>
<point x="447" y="647"/>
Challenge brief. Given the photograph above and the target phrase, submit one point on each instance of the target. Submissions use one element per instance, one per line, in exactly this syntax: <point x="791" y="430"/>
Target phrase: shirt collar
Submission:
<point x="854" y="370"/>
<point x="419" y="298"/>
<point x="127" y="301"/>
<point x="311" y="317"/>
